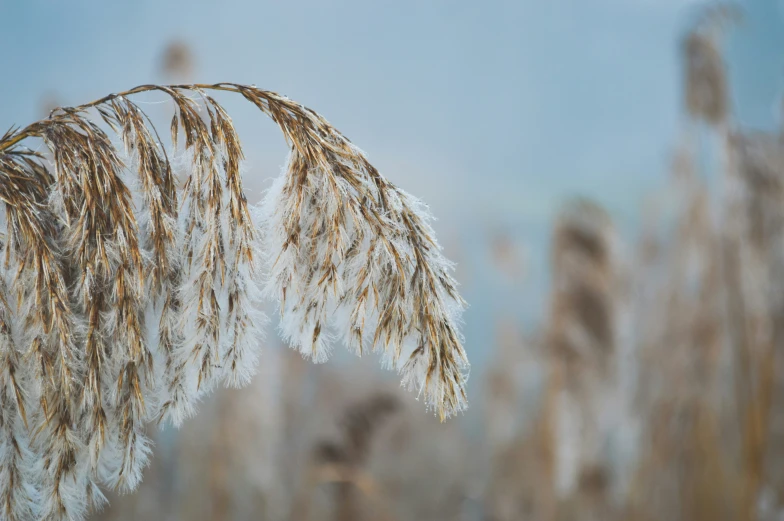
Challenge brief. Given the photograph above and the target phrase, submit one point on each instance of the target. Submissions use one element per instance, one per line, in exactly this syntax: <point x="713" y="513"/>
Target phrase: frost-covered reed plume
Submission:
<point x="125" y="296"/>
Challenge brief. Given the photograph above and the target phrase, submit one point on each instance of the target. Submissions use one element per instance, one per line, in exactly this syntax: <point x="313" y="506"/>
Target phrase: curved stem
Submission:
<point x="34" y="129"/>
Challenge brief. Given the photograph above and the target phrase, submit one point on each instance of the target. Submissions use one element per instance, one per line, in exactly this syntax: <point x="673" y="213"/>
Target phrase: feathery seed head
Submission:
<point x="127" y="295"/>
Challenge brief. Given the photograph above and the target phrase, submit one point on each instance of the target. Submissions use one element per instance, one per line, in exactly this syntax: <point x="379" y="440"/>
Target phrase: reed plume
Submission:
<point x="706" y="89"/>
<point x="581" y="338"/>
<point x="127" y="297"/>
<point x="343" y="460"/>
<point x="177" y="60"/>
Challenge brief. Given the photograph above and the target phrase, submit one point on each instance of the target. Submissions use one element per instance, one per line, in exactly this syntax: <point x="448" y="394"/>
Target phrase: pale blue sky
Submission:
<point x="504" y="106"/>
<point x="491" y="111"/>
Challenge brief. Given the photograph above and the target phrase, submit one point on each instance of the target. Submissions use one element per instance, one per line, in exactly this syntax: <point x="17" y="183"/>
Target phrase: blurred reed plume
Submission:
<point x="582" y="347"/>
<point x="706" y="81"/>
<point x="125" y="298"/>
<point x="177" y="61"/>
<point x="343" y="461"/>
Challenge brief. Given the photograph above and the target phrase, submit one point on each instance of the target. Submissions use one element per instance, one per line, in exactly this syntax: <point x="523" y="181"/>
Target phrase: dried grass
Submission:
<point x="129" y="297"/>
